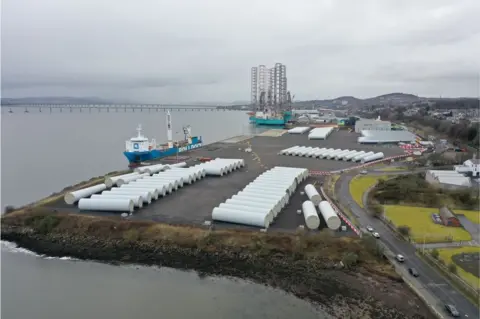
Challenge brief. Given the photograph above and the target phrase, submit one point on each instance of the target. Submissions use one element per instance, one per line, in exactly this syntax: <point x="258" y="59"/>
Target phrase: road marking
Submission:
<point x="436" y="285"/>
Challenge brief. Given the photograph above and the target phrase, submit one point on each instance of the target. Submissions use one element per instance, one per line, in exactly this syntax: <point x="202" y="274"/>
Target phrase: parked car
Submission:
<point x="364" y="172"/>
<point x="400" y="258"/>
<point x="413" y="272"/>
<point x="370" y="228"/>
<point x="375" y="234"/>
<point x="452" y="310"/>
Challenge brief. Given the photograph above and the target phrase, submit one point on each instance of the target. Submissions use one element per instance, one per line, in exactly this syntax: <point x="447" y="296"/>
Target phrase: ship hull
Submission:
<point x="137" y="157"/>
<point x="271" y="121"/>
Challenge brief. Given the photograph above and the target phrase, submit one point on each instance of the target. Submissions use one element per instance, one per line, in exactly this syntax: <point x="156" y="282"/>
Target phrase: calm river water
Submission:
<point x="42" y="153"/>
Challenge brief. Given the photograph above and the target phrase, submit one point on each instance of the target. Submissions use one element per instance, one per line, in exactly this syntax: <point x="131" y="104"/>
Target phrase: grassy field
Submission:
<point x="360" y="184"/>
<point x="446" y="255"/>
<point x="422" y="228"/>
<point x="471" y="215"/>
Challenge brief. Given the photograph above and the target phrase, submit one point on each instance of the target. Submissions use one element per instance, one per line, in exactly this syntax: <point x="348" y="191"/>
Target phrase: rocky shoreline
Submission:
<point x="341" y="293"/>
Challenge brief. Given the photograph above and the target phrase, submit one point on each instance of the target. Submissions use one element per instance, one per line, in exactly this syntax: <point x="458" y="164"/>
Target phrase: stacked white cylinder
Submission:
<point x="72" y="197"/>
<point x="310" y="214"/>
<point x="374" y="157"/>
<point x="313" y="194"/>
<point x="130" y="178"/>
<point x="334" y="153"/>
<point x="151" y="169"/>
<point x="344" y="156"/>
<point x="329" y="215"/>
<point x="221" y="166"/>
<point x="137" y="199"/>
<point x="106" y="204"/>
<point x="358" y="158"/>
<point x="263" y="199"/>
<point x="341" y="154"/>
<point x="299" y="130"/>
<point x="111" y="181"/>
<point x="320" y="133"/>
<point x="147" y="195"/>
<point x="352" y="156"/>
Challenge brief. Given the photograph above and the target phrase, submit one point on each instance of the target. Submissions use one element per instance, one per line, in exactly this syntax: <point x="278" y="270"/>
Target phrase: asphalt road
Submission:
<point x="429" y="277"/>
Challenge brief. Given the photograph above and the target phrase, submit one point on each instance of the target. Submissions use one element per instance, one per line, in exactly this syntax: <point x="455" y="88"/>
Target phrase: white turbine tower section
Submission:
<point x="169" y="129"/>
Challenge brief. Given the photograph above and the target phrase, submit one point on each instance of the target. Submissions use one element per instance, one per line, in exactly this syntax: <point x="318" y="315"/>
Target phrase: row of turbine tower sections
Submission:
<point x="127" y="192"/>
<point x="261" y="201"/>
<point x="269" y="86"/>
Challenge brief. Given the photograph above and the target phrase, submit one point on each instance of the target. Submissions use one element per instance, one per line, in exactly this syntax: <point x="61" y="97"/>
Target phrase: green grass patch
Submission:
<point x="422" y="227"/>
<point x="360" y="184"/>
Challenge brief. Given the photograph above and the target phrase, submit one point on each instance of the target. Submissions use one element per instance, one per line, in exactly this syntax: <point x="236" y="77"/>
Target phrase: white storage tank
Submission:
<point x="72" y="197"/>
<point x="137" y="199"/>
<point x="128" y="179"/>
<point x="329" y="215"/>
<point x="146" y="195"/>
<point x="346" y="155"/>
<point x="374" y="157"/>
<point x="339" y="155"/>
<point x="351" y="156"/>
<point x="334" y="153"/>
<point x="310" y="213"/>
<point x="238" y="217"/>
<point x="242" y="208"/>
<point x="112" y="180"/>
<point x="110" y="204"/>
<point x="313" y="194"/>
<point x="358" y="158"/>
<point x="152" y="189"/>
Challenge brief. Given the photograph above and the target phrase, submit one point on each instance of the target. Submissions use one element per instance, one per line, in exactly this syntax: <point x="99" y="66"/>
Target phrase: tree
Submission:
<point x="452" y="268"/>
<point x="404" y="230"/>
<point x="376" y="210"/>
<point x="435" y="253"/>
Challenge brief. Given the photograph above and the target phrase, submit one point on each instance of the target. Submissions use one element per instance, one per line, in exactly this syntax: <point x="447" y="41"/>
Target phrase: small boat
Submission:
<point x="140" y="149"/>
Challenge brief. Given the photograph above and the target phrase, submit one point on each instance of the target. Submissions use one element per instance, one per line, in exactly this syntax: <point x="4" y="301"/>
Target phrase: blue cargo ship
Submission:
<point x="140" y="149"/>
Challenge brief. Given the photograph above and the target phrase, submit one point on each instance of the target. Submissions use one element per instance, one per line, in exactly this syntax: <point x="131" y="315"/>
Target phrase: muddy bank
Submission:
<point x="355" y="293"/>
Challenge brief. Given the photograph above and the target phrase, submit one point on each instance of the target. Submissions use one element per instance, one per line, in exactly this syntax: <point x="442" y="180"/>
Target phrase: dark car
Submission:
<point x="452" y="310"/>
<point x="413" y="272"/>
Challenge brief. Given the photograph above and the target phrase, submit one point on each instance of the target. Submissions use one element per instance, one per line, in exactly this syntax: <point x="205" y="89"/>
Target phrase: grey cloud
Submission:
<point x="203" y="50"/>
<point x="96" y="82"/>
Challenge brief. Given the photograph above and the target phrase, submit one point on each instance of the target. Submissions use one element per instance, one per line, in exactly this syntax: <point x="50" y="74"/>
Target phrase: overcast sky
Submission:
<point x="202" y="50"/>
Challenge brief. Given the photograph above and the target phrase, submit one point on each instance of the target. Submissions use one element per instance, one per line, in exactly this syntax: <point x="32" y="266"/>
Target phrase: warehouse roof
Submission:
<point x="450" y="178"/>
<point x="373" y="136"/>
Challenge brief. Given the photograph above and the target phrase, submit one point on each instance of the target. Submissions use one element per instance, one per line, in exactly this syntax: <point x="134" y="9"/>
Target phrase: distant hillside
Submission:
<point x="353" y="102"/>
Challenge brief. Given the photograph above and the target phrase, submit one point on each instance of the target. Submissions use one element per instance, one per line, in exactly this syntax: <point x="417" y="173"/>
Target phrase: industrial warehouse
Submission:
<point x="242" y="182"/>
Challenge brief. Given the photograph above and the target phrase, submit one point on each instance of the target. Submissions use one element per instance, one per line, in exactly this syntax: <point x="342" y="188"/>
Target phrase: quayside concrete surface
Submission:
<point x="194" y="203"/>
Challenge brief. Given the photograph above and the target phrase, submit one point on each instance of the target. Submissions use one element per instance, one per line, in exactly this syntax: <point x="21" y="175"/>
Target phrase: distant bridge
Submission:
<point x="114" y="108"/>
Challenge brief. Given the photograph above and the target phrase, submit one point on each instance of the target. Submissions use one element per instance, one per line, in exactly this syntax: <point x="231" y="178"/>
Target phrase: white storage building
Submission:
<point x="471" y="166"/>
<point x="447" y="179"/>
<point x="372" y="125"/>
<point x="378" y="137"/>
